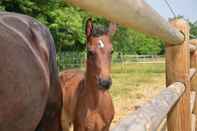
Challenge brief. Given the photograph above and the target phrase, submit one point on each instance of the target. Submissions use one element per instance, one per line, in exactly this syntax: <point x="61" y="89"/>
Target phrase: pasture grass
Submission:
<point x="134" y="84"/>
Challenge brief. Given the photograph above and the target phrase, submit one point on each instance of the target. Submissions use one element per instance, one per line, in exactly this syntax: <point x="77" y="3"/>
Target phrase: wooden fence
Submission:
<point x="68" y="60"/>
<point x="177" y="101"/>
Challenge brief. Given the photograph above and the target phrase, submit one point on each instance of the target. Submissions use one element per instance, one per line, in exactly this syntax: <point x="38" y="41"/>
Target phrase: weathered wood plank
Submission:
<point x="193" y="42"/>
<point x="192" y="100"/>
<point x="193" y="122"/>
<point x="192" y="73"/>
<point x="163" y="126"/>
<point x="136" y="14"/>
<point x="193" y="60"/>
<point x="192" y="48"/>
<point x="150" y="115"/>
<point x="177" y="69"/>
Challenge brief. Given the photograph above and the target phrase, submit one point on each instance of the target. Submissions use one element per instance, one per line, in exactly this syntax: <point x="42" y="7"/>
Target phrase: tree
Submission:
<point x="193" y="27"/>
<point x="67" y="25"/>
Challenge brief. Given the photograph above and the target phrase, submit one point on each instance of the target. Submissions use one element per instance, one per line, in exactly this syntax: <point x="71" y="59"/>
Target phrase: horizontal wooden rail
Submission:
<point x="163" y="125"/>
<point x="136" y="14"/>
<point x="192" y="48"/>
<point x="150" y="116"/>
<point x="192" y="73"/>
<point x="193" y="41"/>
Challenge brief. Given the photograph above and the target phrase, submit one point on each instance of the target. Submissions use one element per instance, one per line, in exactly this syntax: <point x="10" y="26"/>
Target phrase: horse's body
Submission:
<point x="30" y="96"/>
<point x="86" y="101"/>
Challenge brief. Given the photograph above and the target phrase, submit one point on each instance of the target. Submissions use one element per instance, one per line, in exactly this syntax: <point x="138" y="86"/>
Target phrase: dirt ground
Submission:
<point x="135" y="84"/>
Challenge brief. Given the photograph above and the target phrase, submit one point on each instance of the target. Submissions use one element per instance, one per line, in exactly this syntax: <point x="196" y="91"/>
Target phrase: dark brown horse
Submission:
<point x="86" y="100"/>
<point x="30" y="96"/>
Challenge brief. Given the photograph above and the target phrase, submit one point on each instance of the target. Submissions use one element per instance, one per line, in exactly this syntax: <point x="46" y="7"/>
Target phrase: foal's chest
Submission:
<point x="96" y="121"/>
<point x="97" y="118"/>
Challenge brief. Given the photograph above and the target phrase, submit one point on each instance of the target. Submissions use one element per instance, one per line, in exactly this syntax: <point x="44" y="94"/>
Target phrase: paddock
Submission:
<point x="177" y="101"/>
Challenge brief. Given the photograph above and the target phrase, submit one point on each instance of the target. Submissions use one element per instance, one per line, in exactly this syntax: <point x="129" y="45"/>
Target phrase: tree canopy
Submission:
<point x="67" y="25"/>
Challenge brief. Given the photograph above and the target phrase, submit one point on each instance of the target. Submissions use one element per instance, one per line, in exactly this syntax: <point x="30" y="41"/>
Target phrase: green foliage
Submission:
<point x="129" y="41"/>
<point x="67" y="25"/>
<point x="193" y="27"/>
<point x="2" y="8"/>
<point x="65" y="22"/>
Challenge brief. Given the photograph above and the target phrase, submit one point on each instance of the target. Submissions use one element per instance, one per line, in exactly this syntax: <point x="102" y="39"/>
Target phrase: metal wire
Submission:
<point x="175" y="16"/>
<point x="170" y="8"/>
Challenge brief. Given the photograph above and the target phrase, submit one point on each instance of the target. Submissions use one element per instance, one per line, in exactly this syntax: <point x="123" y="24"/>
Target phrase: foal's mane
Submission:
<point x="99" y="30"/>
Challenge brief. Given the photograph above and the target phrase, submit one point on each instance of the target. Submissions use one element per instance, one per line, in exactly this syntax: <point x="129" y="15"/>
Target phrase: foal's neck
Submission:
<point x="90" y="79"/>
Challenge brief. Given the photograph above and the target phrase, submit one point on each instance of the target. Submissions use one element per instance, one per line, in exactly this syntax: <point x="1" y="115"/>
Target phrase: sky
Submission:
<point x="186" y="8"/>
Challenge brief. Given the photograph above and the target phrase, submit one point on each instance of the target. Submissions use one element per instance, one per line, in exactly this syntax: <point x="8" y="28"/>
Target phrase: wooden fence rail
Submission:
<point x="192" y="73"/>
<point x="136" y="14"/>
<point x="150" y="116"/>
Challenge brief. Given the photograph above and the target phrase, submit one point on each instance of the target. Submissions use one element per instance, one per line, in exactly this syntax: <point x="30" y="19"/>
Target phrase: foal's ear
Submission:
<point x="112" y="28"/>
<point x="89" y="27"/>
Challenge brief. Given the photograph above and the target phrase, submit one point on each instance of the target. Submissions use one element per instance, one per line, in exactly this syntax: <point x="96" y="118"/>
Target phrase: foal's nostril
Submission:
<point x="105" y="83"/>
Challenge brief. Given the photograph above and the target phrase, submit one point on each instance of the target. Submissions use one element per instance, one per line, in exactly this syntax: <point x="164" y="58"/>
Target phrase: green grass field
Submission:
<point x="135" y="84"/>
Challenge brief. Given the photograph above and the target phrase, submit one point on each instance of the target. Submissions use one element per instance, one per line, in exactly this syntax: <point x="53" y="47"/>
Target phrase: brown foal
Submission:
<point x="87" y="103"/>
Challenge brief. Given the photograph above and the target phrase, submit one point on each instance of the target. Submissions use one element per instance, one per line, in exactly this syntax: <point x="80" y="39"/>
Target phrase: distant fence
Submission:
<point x="127" y="59"/>
<point x="67" y="60"/>
<point x="77" y="59"/>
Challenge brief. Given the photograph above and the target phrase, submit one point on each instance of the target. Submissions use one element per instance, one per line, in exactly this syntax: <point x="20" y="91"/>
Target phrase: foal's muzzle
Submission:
<point x="104" y="84"/>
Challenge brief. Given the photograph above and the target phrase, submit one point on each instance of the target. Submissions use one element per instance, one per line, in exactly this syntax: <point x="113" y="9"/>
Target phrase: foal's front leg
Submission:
<point x="106" y="129"/>
<point x="108" y="124"/>
<point x="79" y="128"/>
<point x="65" y="122"/>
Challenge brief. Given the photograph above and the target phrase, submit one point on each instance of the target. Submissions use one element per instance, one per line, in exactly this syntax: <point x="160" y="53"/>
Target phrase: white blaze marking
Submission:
<point x="101" y="44"/>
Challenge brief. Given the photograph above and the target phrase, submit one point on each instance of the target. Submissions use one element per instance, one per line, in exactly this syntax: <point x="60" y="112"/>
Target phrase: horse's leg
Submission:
<point x="65" y="122"/>
<point x="50" y="121"/>
<point x="77" y="127"/>
<point x="107" y="128"/>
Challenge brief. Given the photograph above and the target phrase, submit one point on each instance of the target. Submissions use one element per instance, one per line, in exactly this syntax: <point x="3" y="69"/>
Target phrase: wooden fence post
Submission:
<point x="177" y="69"/>
<point x="193" y="59"/>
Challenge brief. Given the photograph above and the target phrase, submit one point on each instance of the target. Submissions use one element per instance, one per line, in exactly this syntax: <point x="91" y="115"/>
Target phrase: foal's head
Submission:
<point x="99" y="48"/>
